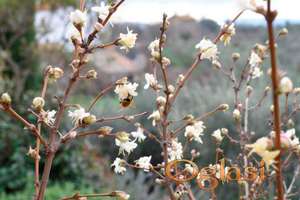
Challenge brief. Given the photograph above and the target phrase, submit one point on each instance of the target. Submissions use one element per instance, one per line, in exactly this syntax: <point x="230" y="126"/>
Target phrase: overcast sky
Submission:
<point x="150" y="11"/>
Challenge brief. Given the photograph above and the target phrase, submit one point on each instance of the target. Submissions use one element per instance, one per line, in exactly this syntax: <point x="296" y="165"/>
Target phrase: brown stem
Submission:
<point x="270" y="16"/>
<point x="37" y="148"/>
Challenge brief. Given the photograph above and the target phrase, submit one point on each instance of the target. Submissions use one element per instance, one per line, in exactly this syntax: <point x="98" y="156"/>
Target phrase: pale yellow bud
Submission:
<point x="38" y="103"/>
<point x="283" y="32"/>
<point x="122" y="195"/>
<point x="55" y="73"/>
<point x="235" y="56"/>
<point x="223" y="107"/>
<point x="122" y="136"/>
<point x="5" y="99"/>
<point x="171" y="88"/>
<point x="166" y="61"/>
<point x="297" y="91"/>
<point x="236" y="114"/>
<point x="105" y="130"/>
<point x="286" y="85"/>
<point x="91" y="74"/>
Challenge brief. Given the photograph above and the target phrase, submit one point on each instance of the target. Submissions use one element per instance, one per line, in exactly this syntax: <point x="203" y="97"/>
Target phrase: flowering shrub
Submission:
<point x="276" y="149"/>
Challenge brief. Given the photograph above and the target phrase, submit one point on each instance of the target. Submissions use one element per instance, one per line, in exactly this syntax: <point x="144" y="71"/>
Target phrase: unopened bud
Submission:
<point x="5" y="99"/>
<point x="91" y="74"/>
<point x="105" y="130"/>
<point x="283" y="32"/>
<point x="223" y="107"/>
<point x="122" y="136"/>
<point x="38" y="103"/>
<point x="235" y="56"/>
<point x="236" y="114"/>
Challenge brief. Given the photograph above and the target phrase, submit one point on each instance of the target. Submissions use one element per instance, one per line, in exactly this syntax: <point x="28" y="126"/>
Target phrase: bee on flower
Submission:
<point x="80" y="117"/>
<point x="126" y="91"/>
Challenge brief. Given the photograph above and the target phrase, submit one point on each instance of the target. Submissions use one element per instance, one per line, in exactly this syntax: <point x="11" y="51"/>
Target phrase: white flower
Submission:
<point x="50" y="117"/>
<point x="144" y="162"/>
<point x="254" y="60"/>
<point x="126" y="146"/>
<point x="290" y="135"/>
<point x="256" y="72"/>
<point x="175" y="150"/>
<point x="150" y="81"/>
<point x="126" y="89"/>
<point x="193" y="132"/>
<point x="218" y="135"/>
<point x="250" y="4"/>
<point x="161" y="100"/>
<point x="78" y="18"/>
<point x="78" y="115"/>
<point x="286" y="85"/>
<point x="155" y="116"/>
<point x="154" y="45"/>
<point x="119" y="165"/>
<point x="102" y="10"/>
<point x="127" y="41"/>
<point x="229" y="32"/>
<point x="208" y="49"/>
<point x="139" y="134"/>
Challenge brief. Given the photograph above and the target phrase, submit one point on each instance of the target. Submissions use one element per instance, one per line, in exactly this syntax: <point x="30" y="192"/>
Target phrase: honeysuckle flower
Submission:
<point x="144" y="163"/>
<point x="139" y="134"/>
<point x="55" y="73"/>
<point x="217" y="134"/>
<point x="78" y="18"/>
<point x="171" y="88"/>
<point x="5" y="98"/>
<point x="150" y="81"/>
<point x="154" y="45"/>
<point x="229" y="31"/>
<point x="122" y="195"/>
<point x="155" y="116"/>
<point x="254" y="60"/>
<point x="79" y="115"/>
<point x="127" y="41"/>
<point x="180" y="78"/>
<point x="208" y="49"/>
<point x="249" y="4"/>
<point x="102" y="10"/>
<point x="289" y="138"/>
<point x="286" y="85"/>
<point x="224" y="107"/>
<point x="125" y="88"/>
<point x="235" y="56"/>
<point x="38" y="103"/>
<point x="175" y="150"/>
<point x="50" y="117"/>
<point x="261" y="50"/>
<point x="123" y="136"/>
<point x="193" y="132"/>
<point x="269" y="157"/>
<point x="119" y="166"/>
<point x="125" y="147"/>
<point x="165" y="61"/>
<point x="256" y="72"/>
<point x="261" y="145"/>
